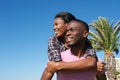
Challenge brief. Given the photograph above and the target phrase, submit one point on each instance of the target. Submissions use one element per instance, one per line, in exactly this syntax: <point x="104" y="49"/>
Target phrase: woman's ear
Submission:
<point x="85" y="34"/>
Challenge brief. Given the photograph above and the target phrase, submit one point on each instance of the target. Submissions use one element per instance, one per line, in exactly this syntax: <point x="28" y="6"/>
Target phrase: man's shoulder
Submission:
<point x="66" y="52"/>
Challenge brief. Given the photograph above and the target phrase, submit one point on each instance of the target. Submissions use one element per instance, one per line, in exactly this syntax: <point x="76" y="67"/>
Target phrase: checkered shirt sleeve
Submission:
<point x="90" y="52"/>
<point x="54" y="49"/>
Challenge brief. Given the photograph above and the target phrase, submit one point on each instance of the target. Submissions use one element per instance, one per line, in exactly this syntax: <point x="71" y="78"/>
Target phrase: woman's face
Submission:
<point x="59" y="27"/>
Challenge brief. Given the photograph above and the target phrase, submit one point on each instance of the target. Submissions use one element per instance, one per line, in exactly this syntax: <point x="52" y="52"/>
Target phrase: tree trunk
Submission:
<point x="110" y="66"/>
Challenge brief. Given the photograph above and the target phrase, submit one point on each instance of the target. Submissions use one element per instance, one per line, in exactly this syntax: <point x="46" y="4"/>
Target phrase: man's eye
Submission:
<point x="66" y="30"/>
<point x="72" y="29"/>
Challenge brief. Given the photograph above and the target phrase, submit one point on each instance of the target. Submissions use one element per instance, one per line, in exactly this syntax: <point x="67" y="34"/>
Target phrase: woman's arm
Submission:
<point x="46" y="75"/>
<point x="53" y="55"/>
<point x="80" y="65"/>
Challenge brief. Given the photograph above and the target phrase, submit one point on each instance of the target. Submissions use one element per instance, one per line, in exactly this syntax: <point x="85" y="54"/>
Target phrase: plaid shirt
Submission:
<point x="55" y="47"/>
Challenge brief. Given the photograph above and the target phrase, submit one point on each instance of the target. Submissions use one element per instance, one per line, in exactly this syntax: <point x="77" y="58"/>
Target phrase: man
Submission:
<point x="57" y="44"/>
<point x="76" y="35"/>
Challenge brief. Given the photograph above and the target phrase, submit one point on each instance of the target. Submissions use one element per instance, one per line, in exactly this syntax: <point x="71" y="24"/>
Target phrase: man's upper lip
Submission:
<point x="69" y="37"/>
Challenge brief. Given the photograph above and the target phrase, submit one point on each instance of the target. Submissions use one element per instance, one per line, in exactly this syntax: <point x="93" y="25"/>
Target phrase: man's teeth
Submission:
<point x="69" y="38"/>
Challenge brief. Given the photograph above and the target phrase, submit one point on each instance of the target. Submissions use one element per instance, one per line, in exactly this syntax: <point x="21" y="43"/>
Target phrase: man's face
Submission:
<point x="75" y="33"/>
<point x="59" y="27"/>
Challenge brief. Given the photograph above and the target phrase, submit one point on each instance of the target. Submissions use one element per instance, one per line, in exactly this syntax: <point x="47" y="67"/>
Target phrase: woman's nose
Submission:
<point x="54" y="27"/>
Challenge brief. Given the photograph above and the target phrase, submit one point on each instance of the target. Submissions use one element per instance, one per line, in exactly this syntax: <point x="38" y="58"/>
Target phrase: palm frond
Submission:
<point x="105" y="33"/>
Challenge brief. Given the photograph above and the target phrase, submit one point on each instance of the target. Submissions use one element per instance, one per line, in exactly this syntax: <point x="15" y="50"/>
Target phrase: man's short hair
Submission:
<point x="81" y="21"/>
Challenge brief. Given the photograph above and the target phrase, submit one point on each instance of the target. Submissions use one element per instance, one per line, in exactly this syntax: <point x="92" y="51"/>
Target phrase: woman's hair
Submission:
<point x="65" y="16"/>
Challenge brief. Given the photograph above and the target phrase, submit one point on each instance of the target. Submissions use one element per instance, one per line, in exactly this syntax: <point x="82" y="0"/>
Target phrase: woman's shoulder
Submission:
<point x="52" y="38"/>
<point x="53" y="41"/>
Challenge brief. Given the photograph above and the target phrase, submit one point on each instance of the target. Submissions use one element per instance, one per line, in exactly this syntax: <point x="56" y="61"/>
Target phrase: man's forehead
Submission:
<point x="75" y="24"/>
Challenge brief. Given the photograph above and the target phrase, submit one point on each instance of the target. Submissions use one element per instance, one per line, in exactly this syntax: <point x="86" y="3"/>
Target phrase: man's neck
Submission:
<point x="78" y="50"/>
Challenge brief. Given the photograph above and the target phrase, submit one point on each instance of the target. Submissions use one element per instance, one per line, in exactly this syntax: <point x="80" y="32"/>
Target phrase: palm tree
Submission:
<point x="106" y="37"/>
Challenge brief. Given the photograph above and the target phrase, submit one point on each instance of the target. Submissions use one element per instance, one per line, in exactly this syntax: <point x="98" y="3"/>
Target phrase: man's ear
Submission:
<point x="85" y="34"/>
<point x="66" y="24"/>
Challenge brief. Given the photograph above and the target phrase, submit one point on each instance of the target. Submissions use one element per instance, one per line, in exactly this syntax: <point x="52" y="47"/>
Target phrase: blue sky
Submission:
<point x="26" y="25"/>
